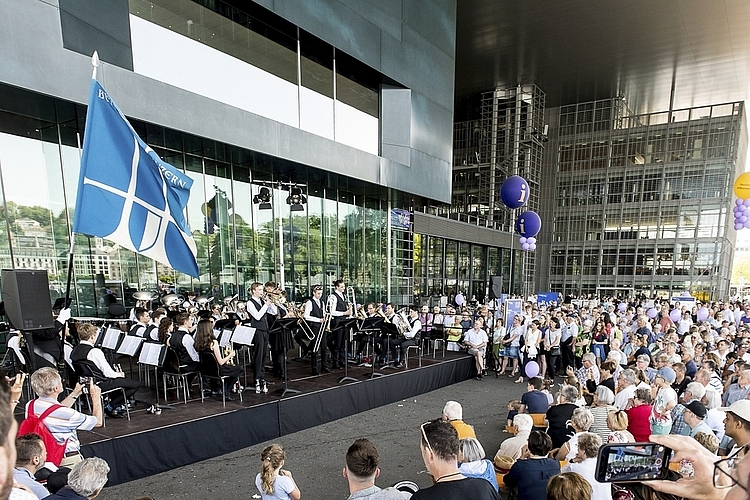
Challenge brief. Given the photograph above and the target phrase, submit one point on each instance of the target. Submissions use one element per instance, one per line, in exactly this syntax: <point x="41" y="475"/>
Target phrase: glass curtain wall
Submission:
<point x="339" y="232"/>
<point x="445" y="267"/>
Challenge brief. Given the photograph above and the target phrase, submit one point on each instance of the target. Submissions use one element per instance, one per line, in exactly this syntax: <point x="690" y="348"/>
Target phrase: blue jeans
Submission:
<point x="598" y="350"/>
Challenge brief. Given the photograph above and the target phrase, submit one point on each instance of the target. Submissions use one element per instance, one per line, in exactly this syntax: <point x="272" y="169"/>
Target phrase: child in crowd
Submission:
<point x="513" y="406"/>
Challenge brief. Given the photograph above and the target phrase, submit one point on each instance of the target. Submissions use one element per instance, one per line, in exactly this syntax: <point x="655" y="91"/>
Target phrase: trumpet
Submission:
<point x="277" y="296"/>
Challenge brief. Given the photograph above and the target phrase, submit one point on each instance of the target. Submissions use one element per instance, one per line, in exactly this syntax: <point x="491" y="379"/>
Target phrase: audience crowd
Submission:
<point x="593" y="373"/>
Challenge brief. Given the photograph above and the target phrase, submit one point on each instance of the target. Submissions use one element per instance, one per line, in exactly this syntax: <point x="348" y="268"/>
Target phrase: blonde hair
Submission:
<point x="708" y="441"/>
<point x="273" y="458"/>
<point x="617" y="420"/>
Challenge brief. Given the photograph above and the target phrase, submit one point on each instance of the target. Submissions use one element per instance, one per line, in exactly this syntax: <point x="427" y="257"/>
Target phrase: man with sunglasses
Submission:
<point x="439" y="447"/>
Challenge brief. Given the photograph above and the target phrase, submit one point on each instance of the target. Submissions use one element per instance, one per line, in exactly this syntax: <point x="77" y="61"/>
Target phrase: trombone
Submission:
<point x="295" y="312"/>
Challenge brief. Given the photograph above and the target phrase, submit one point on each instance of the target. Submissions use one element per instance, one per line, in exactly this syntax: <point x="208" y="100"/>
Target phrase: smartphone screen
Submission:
<point x="620" y="462"/>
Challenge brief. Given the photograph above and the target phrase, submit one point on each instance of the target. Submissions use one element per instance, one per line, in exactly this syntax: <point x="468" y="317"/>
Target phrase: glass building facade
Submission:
<point x="319" y="110"/>
<point x="341" y="231"/>
<point x="642" y="203"/>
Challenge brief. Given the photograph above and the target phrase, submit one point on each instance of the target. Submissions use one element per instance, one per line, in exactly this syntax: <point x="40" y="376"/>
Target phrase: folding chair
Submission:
<point x="209" y="368"/>
<point x="173" y="369"/>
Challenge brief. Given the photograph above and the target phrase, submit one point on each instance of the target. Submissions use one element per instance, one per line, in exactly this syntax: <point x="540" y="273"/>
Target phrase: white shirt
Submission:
<point x="63" y="422"/>
<point x="332" y="301"/>
<point x="282" y="487"/>
<point x="96" y="356"/>
<point x="622" y="397"/>
<point x="189" y="344"/>
<point x="307" y="314"/>
<point x="255" y="312"/>
<point x="476" y="337"/>
<point x="587" y="468"/>
<point x="415" y="328"/>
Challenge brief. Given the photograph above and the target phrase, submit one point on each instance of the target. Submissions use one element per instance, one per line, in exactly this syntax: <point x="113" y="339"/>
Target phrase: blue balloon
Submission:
<point x="525" y="246"/>
<point x="522" y="240"/>
<point x="514" y="192"/>
<point x="746" y="225"/>
<point x="528" y="224"/>
<point x="738" y="202"/>
<point x="738" y="226"/>
<point x="747" y="202"/>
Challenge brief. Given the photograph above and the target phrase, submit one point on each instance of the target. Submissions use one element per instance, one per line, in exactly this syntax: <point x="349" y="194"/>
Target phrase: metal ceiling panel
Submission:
<point x="578" y="50"/>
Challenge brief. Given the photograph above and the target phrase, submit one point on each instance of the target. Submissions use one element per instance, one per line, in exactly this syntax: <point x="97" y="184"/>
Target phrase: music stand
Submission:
<point x="153" y="354"/>
<point x="284" y="326"/>
<point x="346" y="324"/>
<point x="369" y="326"/>
<point x="390" y="330"/>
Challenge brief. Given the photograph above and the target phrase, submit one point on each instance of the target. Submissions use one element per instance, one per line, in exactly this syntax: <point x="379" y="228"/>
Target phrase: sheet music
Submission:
<point x="111" y="338"/>
<point x="130" y="345"/>
<point x="152" y="354"/>
<point x="224" y="336"/>
<point x="243" y="335"/>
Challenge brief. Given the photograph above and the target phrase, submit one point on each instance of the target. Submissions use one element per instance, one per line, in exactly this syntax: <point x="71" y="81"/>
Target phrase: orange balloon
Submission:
<point x="742" y="186"/>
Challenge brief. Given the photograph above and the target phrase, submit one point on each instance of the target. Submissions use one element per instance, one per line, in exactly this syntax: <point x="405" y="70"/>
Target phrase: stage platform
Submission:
<point x="149" y="444"/>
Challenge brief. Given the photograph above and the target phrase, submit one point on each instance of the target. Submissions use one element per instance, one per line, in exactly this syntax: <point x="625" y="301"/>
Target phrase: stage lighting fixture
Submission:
<point x="263" y="199"/>
<point x="296" y="199"/>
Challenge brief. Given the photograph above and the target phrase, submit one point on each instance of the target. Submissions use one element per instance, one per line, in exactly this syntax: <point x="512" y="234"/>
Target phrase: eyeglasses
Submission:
<point x="424" y="435"/>
<point x="723" y="469"/>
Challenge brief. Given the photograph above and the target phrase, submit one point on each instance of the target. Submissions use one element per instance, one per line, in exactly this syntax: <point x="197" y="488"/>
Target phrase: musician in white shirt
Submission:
<point x="411" y="337"/>
<point x="339" y="309"/>
<point x="257" y="307"/>
<point x="314" y="315"/>
<point x="143" y="318"/>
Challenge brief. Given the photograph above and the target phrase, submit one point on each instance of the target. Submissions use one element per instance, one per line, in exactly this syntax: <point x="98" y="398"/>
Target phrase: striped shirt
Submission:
<point x="63" y="422"/>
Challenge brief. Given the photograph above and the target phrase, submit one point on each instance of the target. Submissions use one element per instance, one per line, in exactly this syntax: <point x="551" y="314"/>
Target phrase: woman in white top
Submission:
<point x="530" y="347"/>
<point x="515" y="334"/>
<point x="552" y="345"/>
<point x="273" y="482"/>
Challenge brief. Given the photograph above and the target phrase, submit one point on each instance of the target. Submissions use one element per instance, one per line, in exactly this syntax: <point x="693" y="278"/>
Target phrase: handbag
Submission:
<point x="555" y="351"/>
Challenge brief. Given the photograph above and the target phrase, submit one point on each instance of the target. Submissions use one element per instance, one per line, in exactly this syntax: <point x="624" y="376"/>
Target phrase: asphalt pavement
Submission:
<point x="316" y="456"/>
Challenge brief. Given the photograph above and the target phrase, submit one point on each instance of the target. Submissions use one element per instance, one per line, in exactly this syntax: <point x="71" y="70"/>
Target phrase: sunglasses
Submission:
<point x="424" y="436"/>
<point x="723" y="469"/>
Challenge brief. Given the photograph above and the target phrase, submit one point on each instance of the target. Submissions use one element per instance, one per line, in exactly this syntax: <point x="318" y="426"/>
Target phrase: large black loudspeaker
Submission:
<point x="27" y="299"/>
<point x="496" y="287"/>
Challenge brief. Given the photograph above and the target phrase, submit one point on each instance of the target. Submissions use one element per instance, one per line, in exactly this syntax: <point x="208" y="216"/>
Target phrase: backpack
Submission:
<point x="34" y="424"/>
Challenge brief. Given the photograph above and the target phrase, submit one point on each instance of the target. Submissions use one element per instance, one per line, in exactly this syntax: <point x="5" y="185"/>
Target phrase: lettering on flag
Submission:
<point x="127" y="194"/>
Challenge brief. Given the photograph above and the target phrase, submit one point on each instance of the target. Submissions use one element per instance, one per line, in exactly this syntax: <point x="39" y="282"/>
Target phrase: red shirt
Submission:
<point x="638" y="422"/>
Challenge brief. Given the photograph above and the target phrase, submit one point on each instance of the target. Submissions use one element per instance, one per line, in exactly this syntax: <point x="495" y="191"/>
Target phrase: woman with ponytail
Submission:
<point x="273" y="482"/>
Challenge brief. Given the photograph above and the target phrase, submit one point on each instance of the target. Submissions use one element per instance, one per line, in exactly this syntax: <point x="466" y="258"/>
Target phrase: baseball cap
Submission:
<point x="667" y="374"/>
<point x="741" y="408"/>
<point x="698" y="409"/>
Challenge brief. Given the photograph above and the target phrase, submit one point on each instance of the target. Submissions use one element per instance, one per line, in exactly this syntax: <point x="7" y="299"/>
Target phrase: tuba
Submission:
<point x="143" y="299"/>
<point x="172" y="301"/>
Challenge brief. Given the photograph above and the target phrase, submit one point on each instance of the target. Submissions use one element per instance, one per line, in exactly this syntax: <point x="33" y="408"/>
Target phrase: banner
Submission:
<point x="127" y="194"/>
